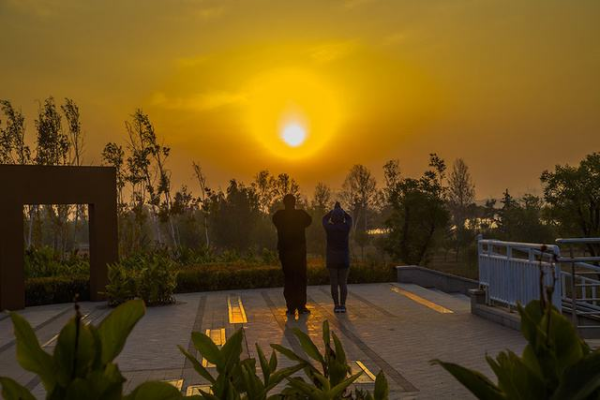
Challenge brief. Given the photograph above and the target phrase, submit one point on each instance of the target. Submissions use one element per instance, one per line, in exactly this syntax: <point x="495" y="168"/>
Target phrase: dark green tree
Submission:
<point x="419" y="214"/>
<point x="572" y="194"/>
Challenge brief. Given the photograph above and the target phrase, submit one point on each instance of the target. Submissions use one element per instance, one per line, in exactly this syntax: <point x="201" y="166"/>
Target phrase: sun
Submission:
<point x="293" y="113"/>
<point x="294" y="135"/>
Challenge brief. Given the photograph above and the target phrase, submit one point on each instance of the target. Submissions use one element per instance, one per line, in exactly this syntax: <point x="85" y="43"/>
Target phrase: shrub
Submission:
<point x="156" y="281"/>
<point x="61" y="289"/>
<point x="151" y="278"/>
<point x="227" y="277"/>
<point x="556" y="363"/>
<point x="44" y="262"/>
<point x="121" y="287"/>
<point x="82" y="365"/>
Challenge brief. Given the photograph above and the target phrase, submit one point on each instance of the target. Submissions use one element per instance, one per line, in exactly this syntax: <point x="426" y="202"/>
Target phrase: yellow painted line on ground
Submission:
<point x="177" y="383"/>
<point x="367" y="376"/>
<point x="237" y="313"/>
<point x="422" y="301"/>
<point x="194" y="390"/>
<point x="218" y="337"/>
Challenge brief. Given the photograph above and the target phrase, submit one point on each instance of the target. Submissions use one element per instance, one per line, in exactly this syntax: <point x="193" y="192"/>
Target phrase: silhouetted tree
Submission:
<point x="359" y="194"/>
<point x="573" y="198"/>
<point x="234" y="216"/>
<point x="205" y="194"/>
<point x="13" y="149"/>
<point x="419" y="214"/>
<point x="461" y="197"/>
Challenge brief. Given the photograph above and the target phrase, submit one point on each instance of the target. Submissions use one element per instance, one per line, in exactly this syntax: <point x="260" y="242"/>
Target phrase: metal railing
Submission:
<point x="580" y="284"/>
<point x="510" y="271"/>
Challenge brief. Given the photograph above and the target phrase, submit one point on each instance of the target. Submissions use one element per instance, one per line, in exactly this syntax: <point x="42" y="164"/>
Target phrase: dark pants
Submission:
<point x="339" y="279"/>
<point x="294" y="272"/>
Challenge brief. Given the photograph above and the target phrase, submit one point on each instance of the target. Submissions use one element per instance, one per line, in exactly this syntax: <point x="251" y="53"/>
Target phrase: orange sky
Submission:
<point x="511" y="86"/>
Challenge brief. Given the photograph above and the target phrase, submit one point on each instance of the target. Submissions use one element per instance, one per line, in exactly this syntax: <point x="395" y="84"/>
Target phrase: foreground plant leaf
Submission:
<point x="116" y="327"/>
<point x="476" y="382"/>
<point x="30" y="355"/>
<point x="12" y="390"/>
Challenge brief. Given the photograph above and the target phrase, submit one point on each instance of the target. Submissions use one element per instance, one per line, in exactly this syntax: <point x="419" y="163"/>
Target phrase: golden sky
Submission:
<point x="511" y="86"/>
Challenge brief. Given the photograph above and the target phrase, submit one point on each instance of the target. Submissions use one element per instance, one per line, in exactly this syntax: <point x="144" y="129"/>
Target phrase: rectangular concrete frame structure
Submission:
<point x="37" y="184"/>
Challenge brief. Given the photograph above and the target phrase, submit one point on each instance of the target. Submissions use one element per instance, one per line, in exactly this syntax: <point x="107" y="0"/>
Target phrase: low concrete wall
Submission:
<point x="498" y="315"/>
<point x="429" y="278"/>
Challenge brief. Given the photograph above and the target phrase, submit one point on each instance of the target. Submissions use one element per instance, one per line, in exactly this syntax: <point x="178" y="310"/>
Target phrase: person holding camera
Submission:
<point x="337" y="224"/>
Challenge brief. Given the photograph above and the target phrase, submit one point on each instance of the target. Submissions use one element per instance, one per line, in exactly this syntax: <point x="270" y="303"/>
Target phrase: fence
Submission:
<point x="510" y="271"/>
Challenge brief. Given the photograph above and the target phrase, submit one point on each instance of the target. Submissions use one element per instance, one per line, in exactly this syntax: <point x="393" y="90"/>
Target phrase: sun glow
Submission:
<point x="293" y="113"/>
<point x="294" y="135"/>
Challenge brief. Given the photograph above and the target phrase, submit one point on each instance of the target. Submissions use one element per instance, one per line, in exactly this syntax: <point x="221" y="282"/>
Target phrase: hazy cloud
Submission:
<point x="199" y="102"/>
<point x="329" y="52"/>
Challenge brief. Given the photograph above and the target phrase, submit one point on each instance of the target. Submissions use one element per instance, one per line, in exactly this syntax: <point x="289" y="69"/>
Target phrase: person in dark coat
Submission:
<point x="337" y="224"/>
<point x="291" y="244"/>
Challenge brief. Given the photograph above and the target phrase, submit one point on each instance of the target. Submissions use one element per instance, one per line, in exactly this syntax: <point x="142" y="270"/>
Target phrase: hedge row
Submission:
<point x="206" y="278"/>
<point x="56" y="289"/>
<point x="51" y="290"/>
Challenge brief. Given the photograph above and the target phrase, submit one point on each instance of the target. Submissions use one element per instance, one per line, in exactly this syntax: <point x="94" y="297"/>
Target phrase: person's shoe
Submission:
<point x="291" y="312"/>
<point x="337" y="309"/>
<point x="303" y="310"/>
<point x="343" y="309"/>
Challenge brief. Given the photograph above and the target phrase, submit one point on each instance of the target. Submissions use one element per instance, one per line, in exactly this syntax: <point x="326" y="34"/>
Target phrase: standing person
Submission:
<point x="291" y="244"/>
<point x="337" y="224"/>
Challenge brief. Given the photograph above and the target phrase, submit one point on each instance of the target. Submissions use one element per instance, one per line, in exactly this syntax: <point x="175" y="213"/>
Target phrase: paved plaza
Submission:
<point x="397" y="328"/>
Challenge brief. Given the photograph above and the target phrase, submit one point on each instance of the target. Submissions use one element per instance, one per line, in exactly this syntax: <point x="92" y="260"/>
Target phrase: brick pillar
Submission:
<point x="12" y="263"/>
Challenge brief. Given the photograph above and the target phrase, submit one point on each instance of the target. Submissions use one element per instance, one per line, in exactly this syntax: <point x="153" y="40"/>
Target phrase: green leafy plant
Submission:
<point x="556" y="363"/>
<point x="82" y="365"/>
<point x="331" y="381"/>
<point x="156" y="281"/>
<point x="153" y="279"/>
<point x="121" y="287"/>
<point x="236" y="378"/>
<point x="46" y="262"/>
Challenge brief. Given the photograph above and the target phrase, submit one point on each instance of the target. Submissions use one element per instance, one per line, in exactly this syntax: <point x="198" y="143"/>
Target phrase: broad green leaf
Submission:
<point x="207" y="348"/>
<point x="308" y="346"/>
<point x="515" y="379"/>
<point x="476" y="382"/>
<point x="323" y="381"/>
<point x="29" y="353"/>
<point x="304" y="387"/>
<point x="117" y="326"/>
<point x="326" y="336"/>
<point x="273" y="361"/>
<point x="580" y="380"/>
<point x="80" y="389"/>
<point x="73" y="361"/>
<point x="203" y="372"/>
<point x="107" y="384"/>
<point x="232" y="349"/>
<point x="280" y="375"/>
<point x="564" y="339"/>
<point x="154" y="391"/>
<point x="340" y="354"/>
<point x="531" y="316"/>
<point x="382" y="389"/>
<point x="340" y="387"/>
<point x="12" y="390"/>
<point x="290" y="354"/>
<point x="264" y="364"/>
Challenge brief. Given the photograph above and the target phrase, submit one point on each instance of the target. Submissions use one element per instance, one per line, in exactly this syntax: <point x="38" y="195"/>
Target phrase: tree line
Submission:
<point x="402" y="218"/>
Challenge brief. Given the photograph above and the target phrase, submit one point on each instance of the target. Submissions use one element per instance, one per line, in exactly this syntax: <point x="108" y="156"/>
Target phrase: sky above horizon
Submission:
<point x="512" y="87"/>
